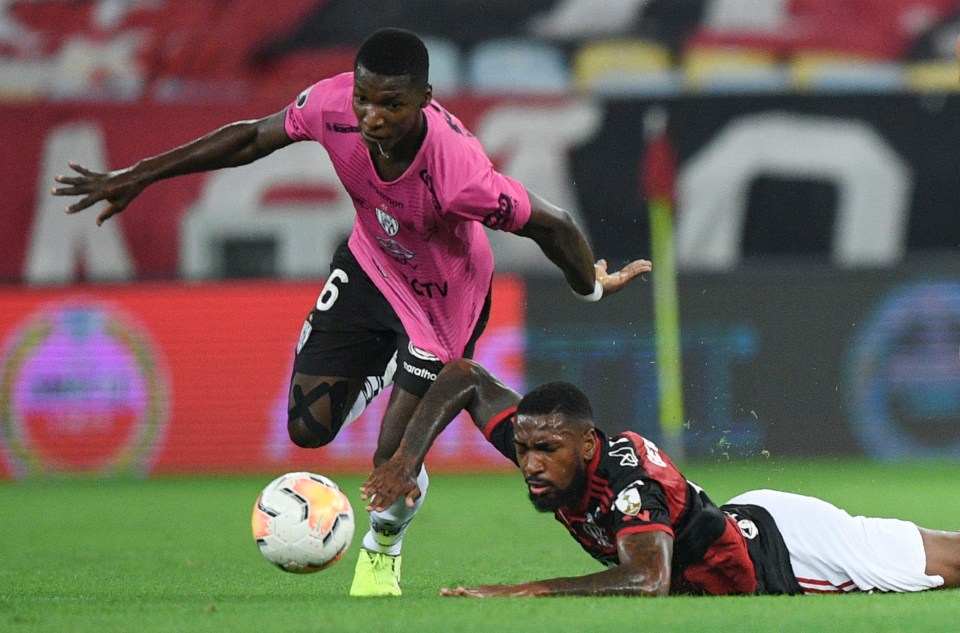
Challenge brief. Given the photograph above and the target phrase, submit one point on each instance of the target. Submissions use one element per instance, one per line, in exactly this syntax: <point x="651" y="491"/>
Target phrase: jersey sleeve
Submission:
<point x="640" y="506"/>
<point x="499" y="432"/>
<point x="499" y="202"/>
<point x="304" y="119"/>
<point x="301" y="123"/>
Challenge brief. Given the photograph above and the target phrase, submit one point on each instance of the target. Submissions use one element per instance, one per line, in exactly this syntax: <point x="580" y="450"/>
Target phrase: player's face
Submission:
<point x="553" y="457"/>
<point x="388" y="108"/>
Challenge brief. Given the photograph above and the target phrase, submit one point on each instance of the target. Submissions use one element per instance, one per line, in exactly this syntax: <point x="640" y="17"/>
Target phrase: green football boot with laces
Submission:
<point x="376" y="575"/>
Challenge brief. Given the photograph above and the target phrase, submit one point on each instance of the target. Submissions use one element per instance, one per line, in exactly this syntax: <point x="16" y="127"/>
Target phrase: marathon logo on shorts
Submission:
<point x="419" y="372"/>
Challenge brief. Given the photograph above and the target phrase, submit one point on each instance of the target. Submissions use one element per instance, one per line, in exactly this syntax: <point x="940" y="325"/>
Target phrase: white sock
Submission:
<point x="388" y="527"/>
<point x="372" y="386"/>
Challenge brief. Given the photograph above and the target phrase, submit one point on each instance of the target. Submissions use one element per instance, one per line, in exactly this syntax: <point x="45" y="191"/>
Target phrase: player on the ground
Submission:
<point x="410" y="289"/>
<point x="629" y="507"/>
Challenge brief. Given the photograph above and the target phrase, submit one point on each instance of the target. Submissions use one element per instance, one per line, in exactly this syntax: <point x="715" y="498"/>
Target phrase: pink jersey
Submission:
<point x="420" y="237"/>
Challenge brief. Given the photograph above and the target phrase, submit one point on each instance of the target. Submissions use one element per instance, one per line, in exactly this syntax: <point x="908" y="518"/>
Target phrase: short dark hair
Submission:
<point x="558" y="397"/>
<point x="394" y="52"/>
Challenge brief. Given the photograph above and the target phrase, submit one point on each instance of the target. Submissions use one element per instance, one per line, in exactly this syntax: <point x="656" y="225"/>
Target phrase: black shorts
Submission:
<point x="353" y="332"/>
<point x="770" y="556"/>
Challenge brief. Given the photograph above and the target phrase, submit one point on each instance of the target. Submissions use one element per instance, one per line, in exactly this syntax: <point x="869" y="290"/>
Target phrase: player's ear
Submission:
<point x="591" y="444"/>
<point x="427" y="96"/>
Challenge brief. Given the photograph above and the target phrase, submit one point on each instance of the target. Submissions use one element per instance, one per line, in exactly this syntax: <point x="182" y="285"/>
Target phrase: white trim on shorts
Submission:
<point x="834" y="552"/>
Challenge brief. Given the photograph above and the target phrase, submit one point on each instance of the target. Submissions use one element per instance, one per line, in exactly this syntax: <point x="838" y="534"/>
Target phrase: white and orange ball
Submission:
<point x="302" y="522"/>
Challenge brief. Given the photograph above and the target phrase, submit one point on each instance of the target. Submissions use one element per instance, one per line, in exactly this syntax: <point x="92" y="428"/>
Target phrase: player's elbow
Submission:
<point x="661" y="588"/>
<point x="646" y="563"/>
<point x="465" y="382"/>
<point x="551" y="229"/>
<point x="472" y="376"/>
<point x="461" y="367"/>
<point x="650" y="584"/>
<point x="462" y="372"/>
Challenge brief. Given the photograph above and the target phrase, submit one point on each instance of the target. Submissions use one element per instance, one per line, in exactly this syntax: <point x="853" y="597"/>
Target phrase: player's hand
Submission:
<point x="388" y="482"/>
<point x="615" y="281"/>
<point x="485" y="591"/>
<point x="118" y="188"/>
<point x="461" y="592"/>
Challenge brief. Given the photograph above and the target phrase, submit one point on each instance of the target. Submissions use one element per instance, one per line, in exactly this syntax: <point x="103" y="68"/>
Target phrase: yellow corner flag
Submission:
<point x="658" y="174"/>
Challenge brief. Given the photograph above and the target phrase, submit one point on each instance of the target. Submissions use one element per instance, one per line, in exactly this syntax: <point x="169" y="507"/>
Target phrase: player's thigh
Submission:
<point x="346" y="352"/>
<point x="344" y="339"/>
<point x="351" y="332"/>
<point x="830" y="550"/>
<point x="328" y="372"/>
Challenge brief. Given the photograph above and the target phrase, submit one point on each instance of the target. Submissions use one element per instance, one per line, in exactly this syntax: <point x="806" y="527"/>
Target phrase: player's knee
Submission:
<point x="315" y="417"/>
<point x="951" y="574"/>
<point x="305" y="436"/>
<point x="942" y="550"/>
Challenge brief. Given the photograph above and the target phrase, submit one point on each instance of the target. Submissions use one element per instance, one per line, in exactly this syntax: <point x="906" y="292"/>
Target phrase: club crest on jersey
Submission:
<point x="628" y="501"/>
<point x="596" y="533"/>
<point x="388" y="222"/>
<point x="748" y="528"/>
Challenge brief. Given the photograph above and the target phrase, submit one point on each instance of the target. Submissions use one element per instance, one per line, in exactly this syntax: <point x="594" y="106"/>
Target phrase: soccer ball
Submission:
<point x="302" y="522"/>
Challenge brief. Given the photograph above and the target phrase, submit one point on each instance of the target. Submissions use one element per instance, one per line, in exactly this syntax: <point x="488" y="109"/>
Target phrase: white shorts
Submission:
<point x="832" y="552"/>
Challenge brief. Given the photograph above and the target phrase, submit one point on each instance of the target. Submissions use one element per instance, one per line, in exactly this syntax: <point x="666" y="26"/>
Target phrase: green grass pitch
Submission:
<point x="176" y="554"/>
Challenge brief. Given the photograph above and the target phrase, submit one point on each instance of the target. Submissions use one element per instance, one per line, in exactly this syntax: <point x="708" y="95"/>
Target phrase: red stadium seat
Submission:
<point x="868" y="29"/>
<point x="181" y="40"/>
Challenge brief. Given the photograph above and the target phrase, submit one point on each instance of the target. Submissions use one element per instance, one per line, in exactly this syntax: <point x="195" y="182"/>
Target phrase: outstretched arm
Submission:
<point x="644" y="570"/>
<point x="462" y="385"/>
<point x="235" y="144"/>
<point x="562" y="241"/>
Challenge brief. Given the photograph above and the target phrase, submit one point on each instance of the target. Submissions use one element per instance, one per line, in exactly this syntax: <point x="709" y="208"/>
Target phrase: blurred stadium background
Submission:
<point x="815" y="199"/>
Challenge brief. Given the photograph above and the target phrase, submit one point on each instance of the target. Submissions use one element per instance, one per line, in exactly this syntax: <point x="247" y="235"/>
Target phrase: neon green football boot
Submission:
<point x="376" y="575"/>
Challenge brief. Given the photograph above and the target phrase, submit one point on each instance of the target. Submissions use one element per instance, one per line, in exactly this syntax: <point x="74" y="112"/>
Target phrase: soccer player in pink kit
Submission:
<point x="410" y="290"/>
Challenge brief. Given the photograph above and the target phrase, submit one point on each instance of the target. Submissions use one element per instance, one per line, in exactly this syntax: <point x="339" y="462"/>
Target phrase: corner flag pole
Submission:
<point x="658" y="175"/>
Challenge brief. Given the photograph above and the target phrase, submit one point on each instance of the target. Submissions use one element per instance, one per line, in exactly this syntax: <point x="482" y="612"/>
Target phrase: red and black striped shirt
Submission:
<point x="634" y="487"/>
